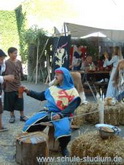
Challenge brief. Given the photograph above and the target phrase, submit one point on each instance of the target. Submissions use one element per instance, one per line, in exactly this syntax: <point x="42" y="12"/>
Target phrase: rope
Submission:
<point x="69" y="117"/>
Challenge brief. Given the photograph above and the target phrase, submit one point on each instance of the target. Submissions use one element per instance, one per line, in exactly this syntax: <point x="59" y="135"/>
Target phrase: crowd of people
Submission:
<point x="104" y="63"/>
<point x="85" y="62"/>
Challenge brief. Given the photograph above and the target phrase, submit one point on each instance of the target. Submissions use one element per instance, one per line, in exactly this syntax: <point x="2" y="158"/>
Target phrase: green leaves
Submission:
<point x="8" y="30"/>
<point x="34" y="35"/>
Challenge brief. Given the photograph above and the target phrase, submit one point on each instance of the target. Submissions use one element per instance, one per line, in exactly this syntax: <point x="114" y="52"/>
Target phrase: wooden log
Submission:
<point x="31" y="146"/>
<point x="52" y="142"/>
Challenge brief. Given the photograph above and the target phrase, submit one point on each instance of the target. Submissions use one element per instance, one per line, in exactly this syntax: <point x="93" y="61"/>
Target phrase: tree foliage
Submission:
<point x="8" y="30"/>
<point x="21" y="26"/>
<point x="34" y="34"/>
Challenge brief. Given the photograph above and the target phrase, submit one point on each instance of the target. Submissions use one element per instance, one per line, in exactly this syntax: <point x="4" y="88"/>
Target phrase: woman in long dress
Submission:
<point x="111" y="89"/>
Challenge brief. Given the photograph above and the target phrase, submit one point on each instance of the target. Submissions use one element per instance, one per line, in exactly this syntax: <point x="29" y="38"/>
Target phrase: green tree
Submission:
<point x="8" y="30"/>
<point x="36" y="38"/>
<point x="21" y="26"/>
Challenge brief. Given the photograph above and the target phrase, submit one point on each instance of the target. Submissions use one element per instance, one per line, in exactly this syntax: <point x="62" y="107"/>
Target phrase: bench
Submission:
<point x="53" y="144"/>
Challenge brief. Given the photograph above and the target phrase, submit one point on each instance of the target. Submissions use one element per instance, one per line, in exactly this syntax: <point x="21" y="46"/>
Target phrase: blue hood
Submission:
<point x="67" y="81"/>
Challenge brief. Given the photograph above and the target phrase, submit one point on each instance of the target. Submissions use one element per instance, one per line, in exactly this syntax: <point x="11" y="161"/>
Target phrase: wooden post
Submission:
<point x="52" y="143"/>
<point x="65" y="29"/>
<point x="48" y="69"/>
<point x="37" y="62"/>
<point x="38" y="58"/>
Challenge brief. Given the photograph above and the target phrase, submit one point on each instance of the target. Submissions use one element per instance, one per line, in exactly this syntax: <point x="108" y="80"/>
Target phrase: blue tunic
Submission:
<point x="62" y="100"/>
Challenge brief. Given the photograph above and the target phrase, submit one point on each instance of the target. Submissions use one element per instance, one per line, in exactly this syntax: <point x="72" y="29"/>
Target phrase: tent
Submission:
<point x="81" y="30"/>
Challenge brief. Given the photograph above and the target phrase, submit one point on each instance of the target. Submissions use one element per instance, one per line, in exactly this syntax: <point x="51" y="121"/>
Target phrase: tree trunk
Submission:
<point x="30" y="147"/>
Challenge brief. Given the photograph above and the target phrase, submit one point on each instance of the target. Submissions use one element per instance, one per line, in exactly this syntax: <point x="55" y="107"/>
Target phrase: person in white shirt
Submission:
<point x="2" y="80"/>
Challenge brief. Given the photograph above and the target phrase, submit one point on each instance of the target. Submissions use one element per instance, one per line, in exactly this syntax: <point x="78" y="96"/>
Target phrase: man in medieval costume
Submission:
<point x="62" y="100"/>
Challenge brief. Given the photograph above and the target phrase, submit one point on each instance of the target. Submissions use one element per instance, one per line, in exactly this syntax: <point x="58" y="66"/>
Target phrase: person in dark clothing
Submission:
<point x="62" y="100"/>
<point x="77" y="58"/>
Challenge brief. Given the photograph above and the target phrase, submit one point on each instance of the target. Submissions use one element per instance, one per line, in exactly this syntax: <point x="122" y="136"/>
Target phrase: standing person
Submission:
<point x="2" y="80"/>
<point x="111" y="89"/>
<point x="77" y="58"/>
<point x="62" y="100"/>
<point x="12" y="101"/>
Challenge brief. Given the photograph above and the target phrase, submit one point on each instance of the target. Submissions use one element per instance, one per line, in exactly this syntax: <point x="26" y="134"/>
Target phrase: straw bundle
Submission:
<point x="92" y="118"/>
<point x="90" y="144"/>
<point x="113" y="114"/>
<point x="82" y="110"/>
<point x="80" y="119"/>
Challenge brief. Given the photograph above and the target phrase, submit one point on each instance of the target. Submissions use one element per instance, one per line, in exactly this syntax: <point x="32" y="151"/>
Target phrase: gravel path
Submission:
<point x="7" y="142"/>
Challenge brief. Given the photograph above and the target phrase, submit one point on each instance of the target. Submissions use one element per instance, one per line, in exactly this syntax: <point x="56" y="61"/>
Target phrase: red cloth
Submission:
<point x="58" y="71"/>
<point x="84" y="52"/>
<point x="71" y="55"/>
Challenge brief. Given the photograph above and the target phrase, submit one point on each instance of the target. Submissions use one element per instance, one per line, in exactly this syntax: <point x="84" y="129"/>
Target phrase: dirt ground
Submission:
<point x="31" y="106"/>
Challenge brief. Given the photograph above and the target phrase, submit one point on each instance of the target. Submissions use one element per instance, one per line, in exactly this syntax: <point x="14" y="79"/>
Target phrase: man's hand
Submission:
<point x="56" y="117"/>
<point x="106" y="56"/>
<point x="21" y="89"/>
<point x="9" y="78"/>
<point x="70" y="67"/>
<point x="25" y="89"/>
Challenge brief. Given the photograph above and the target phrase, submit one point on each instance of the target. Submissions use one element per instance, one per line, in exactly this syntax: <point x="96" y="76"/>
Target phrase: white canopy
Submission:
<point x="80" y="30"/>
